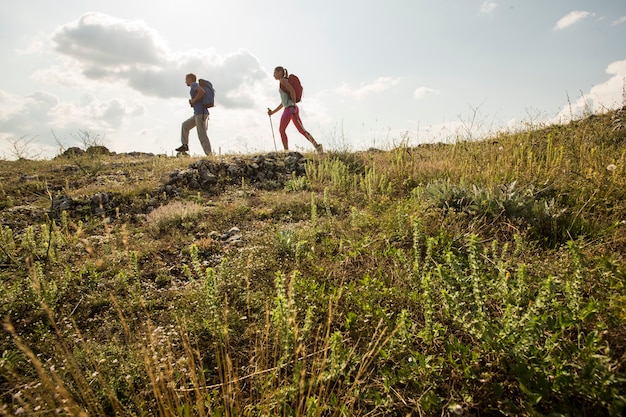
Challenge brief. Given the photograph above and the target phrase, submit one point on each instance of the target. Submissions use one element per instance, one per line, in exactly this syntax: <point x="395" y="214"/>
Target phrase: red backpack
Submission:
<point x="294" y="81"/>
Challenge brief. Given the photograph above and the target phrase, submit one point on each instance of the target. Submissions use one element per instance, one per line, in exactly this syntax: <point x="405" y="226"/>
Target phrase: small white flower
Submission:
<point x="611" y="167"/>
<point x="457" y="409"/>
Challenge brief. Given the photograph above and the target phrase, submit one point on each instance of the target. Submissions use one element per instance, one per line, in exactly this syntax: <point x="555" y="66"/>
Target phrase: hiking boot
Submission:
<point x="319" y="148"/>
<point x="182" y="148"/>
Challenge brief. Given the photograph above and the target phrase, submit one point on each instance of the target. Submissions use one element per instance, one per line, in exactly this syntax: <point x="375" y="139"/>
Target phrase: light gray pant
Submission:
<point x="200" y="121"/>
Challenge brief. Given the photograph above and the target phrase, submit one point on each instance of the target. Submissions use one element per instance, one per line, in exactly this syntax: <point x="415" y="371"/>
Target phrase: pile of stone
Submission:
<point x="268" y="171"/>
<point x="98" y="204"/>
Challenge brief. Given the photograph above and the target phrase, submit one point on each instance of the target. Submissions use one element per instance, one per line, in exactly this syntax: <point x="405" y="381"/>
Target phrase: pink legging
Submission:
<point x="290" y="113"/>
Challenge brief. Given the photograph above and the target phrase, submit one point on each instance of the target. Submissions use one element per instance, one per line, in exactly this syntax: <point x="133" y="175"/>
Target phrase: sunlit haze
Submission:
<point x="375" y="73"/>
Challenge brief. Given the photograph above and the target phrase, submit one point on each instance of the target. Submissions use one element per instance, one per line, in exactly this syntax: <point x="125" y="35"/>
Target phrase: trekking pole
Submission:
<point x="272" y="127"/>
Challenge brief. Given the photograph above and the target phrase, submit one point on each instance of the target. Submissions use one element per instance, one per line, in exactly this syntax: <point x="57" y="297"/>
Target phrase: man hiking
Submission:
<point x="199" y="120"/>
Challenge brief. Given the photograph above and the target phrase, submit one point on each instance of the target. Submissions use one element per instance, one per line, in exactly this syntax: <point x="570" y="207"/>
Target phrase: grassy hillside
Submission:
<point x="479" y="278"/>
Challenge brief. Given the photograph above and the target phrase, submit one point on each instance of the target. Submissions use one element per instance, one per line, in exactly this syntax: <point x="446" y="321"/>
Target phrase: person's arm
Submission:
<point x="198" y="96"/>
<point x="270" y="112"/>
<point x="289" y="89"/>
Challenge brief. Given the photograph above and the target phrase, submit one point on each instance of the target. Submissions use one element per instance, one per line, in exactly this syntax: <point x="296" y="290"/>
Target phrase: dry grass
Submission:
<point x="176" y="211"/>
<point x="475" y="277"/>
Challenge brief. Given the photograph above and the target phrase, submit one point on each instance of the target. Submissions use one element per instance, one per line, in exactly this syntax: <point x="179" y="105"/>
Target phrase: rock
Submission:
<point x="230" y="237"/>
<point x="100" y="203"/>
<point x="98" y="150"/>
<point x="61" y="203"/>
<point x="73" y="151"/>
<point x="268" y="171"/>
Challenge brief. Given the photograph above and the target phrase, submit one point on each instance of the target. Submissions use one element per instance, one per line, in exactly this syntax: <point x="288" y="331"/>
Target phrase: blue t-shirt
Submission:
<point x="198" y="107"/>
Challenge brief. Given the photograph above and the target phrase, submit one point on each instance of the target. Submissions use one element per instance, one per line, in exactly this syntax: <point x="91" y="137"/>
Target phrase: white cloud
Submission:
<point x="99" y="40"/>
<point x="608" y="95"/>
<point x="488" y="7"/>
<point x="34" y="45"/>
<point x="17" y="114"/>
<point x="572" y="18"/>
<point x="421" y="92"/>
<point x="59" y="75"/>
<point x="27" y="114"/>
<point x="377" y="86"/>
<point x="619" y="21"/>
<point x="116" y="73"/>
<point x="10" y="105"/>
<point x="109" y="49"/>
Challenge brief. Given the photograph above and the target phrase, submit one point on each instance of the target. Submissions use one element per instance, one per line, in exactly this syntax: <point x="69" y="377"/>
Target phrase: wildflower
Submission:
<point x="611" y="167"/>
<point x="456" y="409"/>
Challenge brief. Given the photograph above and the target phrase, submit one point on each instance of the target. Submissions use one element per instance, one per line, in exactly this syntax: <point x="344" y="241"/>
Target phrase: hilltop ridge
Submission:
<point x="471" y="278"/>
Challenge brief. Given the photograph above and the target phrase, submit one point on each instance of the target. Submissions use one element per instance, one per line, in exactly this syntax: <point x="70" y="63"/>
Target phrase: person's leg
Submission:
<point x="297" y="122"/>
<point x="186" y="127"/>
<point x="201" y="121"/>
<point x="284" y="122"/>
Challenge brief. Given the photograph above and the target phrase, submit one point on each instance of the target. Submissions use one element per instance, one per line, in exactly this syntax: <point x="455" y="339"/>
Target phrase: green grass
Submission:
<point x="475" y="278"/>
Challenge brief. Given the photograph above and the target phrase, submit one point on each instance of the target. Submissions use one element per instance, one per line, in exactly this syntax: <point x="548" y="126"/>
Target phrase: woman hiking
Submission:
<point x="291" y="112"/>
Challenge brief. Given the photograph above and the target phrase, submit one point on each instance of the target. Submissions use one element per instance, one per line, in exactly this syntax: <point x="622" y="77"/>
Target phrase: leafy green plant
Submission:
<point x="296" y="183"/>
<point x="471" y="278"/>
<point x="529" y="208"/>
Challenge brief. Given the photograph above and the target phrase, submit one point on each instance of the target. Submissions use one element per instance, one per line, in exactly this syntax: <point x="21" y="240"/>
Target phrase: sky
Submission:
<point x="376" y="73"/>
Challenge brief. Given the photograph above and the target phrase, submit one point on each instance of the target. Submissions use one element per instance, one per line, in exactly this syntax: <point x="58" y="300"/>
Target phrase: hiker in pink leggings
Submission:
<point x="291" y="112"/>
